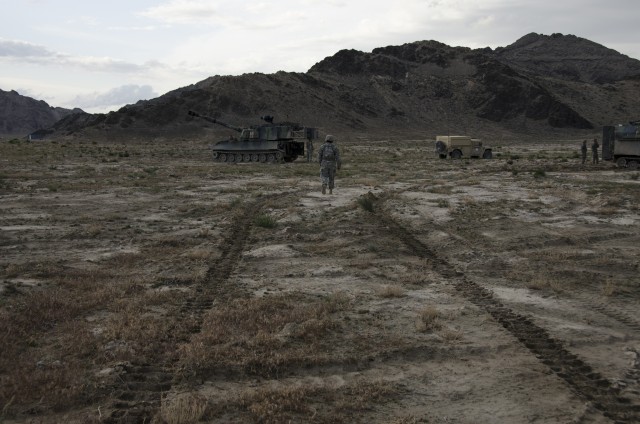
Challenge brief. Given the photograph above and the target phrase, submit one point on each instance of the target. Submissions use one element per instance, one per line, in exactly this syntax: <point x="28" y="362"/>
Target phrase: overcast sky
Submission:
<point x="101" y="55"/>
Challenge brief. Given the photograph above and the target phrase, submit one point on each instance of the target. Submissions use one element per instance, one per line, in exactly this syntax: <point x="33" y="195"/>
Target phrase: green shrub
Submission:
<point x="539" y="173"/>
<point x="366" y="203"/>
<point x="266" y="221"/>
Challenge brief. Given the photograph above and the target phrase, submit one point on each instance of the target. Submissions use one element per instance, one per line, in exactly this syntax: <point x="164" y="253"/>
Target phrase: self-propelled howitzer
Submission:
<point x="621" y="144"/>
<point x="268" y="142"/>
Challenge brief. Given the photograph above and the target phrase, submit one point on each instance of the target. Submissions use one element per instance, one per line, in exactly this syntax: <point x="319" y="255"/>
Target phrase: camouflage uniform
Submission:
<point x="594" y="150"/>
<point x="583" y="150"/>
<point x="329" y="158"/>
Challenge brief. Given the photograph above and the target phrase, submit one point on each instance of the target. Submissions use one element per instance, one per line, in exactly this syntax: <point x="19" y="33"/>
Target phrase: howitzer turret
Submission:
<point x="269" y="142"/>
<point x="215" y="121"/>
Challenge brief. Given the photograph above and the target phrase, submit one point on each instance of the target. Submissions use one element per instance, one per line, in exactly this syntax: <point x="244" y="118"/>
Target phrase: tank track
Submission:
<point x="259" y="156"/>
<point x="139" y="396"/>
<point x="590" y="385"/>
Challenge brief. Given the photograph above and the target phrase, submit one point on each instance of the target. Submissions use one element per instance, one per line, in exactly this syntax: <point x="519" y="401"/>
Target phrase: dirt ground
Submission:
<point x="142" y="282"/>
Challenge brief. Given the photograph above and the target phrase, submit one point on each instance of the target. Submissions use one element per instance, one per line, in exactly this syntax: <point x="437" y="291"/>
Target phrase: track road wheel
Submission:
<point x="621" y="162"/>
<point x="271" y="158"/>
<point x="223" y="157"/>
<point x="255" y="157"/>
<point x="633" y="164"/>
<point x="263" y="158"/>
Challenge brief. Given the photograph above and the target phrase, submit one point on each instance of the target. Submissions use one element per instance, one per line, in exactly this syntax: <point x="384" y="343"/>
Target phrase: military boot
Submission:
<point x="324" y="189"/>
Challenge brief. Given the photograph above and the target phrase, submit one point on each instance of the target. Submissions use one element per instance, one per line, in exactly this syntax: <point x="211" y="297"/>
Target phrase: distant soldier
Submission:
<point x="309" y="150"/>
<point x="583" y="150"/>
<point x="329" y="158"/>
<point x="594" y="150"/>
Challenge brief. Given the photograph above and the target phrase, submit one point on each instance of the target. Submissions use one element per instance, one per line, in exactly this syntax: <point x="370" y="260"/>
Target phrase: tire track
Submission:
<point x="139" y="397"/>
<point x="582" y="379"/>
<point x="625" y="317"/>
<point x="612" y="311"/>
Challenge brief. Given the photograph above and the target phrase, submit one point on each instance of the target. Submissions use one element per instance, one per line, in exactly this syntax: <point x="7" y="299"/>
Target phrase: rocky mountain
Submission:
<point x="539" y="86"/>
<point x="568" y="57"/>
<point x="21" y="115"/>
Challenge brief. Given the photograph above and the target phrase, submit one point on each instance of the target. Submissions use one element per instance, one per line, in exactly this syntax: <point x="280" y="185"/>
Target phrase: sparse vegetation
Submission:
<point x="539" y="173"/>
<point x="106" y="265"/>
<point x="266" y="221"/>
<point x="365" y="203"/>
<point x="428" y="319"/>
<point x="388" y="291"/>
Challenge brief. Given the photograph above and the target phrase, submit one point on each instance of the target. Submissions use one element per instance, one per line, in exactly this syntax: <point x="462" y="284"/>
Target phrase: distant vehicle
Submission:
<point x="621" y="144"/>
<point x="461" y="146"/>
<point x="269" y="142"/>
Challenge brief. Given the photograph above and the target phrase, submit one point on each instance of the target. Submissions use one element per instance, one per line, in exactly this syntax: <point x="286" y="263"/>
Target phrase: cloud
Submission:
<point x="125" y="94"/>
<point x="183" y="12"/>
<point x="22" y="51"/>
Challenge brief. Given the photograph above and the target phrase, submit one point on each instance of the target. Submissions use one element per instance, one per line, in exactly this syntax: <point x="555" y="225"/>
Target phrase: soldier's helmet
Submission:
<point x="328" y="139"/>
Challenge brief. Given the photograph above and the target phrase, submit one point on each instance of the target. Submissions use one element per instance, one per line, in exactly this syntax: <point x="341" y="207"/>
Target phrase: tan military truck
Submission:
<point x="461" y="146"/>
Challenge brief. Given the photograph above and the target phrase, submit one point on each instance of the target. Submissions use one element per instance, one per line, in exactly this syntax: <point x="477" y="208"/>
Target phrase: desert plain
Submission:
<point x="142" y="283"/>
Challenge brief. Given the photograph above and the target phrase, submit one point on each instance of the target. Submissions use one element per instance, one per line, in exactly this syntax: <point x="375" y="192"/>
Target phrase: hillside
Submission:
<point x="539" y="86"/>
<point x="21" y="115"/>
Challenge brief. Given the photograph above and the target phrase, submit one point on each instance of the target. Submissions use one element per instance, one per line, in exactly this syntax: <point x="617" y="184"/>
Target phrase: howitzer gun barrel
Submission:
<point x="215" y="121"/>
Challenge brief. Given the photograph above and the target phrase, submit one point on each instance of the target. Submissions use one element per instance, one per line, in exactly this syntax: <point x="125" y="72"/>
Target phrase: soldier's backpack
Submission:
<point x="329" y="153"/>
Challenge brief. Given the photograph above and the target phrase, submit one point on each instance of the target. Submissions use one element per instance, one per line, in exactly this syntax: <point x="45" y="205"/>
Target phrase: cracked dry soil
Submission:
<point x="142" y="283"/>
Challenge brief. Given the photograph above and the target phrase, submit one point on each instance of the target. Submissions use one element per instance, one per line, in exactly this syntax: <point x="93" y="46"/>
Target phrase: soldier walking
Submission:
<point x="594" y="150"/>
<point x="329" y="158"/>
<point x="583" y="150"/>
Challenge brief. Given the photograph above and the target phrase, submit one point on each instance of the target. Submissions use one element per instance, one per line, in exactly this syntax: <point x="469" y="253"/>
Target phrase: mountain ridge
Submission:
<point x="538" y="86"/>
<point x="21" y="115"/>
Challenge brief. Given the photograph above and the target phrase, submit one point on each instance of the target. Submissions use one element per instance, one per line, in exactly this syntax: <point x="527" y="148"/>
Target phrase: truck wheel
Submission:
<point x="633" y="164"/>
<point x="621" y="162"/>
<point x="456" y="154"/>
<point x="487" y="154"/>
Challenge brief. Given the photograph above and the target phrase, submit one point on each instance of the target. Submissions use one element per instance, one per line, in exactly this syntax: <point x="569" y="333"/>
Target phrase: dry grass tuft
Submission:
<point x="199" y="254"/>
<point x="417" y="278"/>
<point x="388" y="291"/>
<point x="183" y="408"/>
<point x="541" y="283"/>
<point x="609" y="288"/>
<point x="322" y="403"/>
<point x="93" y="230"/>
<point x="428" y="320"/>
<point x="272" y="405"/>
<point x="262" y="335"/>
<point x="451" y="335"/>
